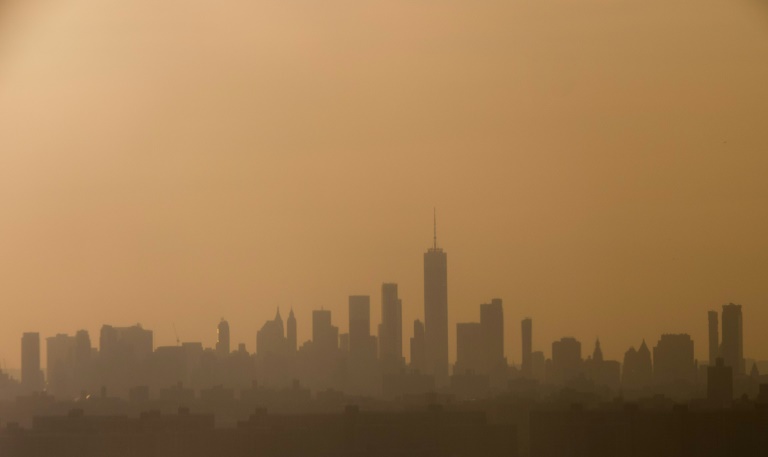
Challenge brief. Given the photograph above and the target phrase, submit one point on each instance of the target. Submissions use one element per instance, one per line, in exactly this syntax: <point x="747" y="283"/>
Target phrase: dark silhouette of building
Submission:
<point x="325" y="336"/>
<point x="566" y="360"/>
<point x="637" y="374"/>
<point x="673" y="362"/>
<point x="391" y="330"/>
<point x="418" y="348"/>
<point x="469" y="349"/>
<point x="527" y="345"/>
<point x="270" y="340"/>
<point x="222" y="339"/>
<point x="733" y="338"/>
<point x="129" y="343"/>
<point x="31" y="374"/>
<point x="60" y="362"/>
<point x="291" y="335"/>
<point x="436" y="312"/>
<point x="361" y="343"/>
<point x="604" y="373"/>
<point x="720" y="383"/>
<point x="714" y="338"/>
<point x="492" y="324"/>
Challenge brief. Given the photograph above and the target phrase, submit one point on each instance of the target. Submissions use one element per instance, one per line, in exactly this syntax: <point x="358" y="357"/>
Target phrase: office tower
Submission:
<point x="637" y="372"/>
<point x="291" y="332"/>
<point x="418" y="349"/>
<point x="469" y="349"/>
<point x="436" y="312"/>
<point x="714" y="338"/>
<point x="271" y="338"/>
<point x="222" y="339"/>
<point x="82" y="348"/>
<point x="360" y="342"/>
<point x="134" y="343"/>
<point x="527" y="332"/>
<point x="492" y="325"/>
<point x="391" y="329"/>
<point x="31" y="375"/>
<point x="60" y="350"/>
<point x="325" y="337"/>
<point x="673" y="360"/>
<point x="566" y="360"/>
<point x="733" y="338"/>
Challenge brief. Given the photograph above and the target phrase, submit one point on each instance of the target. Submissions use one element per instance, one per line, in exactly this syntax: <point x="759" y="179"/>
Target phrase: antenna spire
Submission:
<point x="434" y="220"/>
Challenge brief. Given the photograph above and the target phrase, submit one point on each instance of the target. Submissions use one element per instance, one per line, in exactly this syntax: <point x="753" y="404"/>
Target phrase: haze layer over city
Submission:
<point x="600" y="166"/>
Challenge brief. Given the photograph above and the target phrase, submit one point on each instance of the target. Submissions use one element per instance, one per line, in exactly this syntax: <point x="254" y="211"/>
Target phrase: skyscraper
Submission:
<point x="673" y="360"/>
<point x="418" y="354"/>
<point x="360" y="343"/>
<point x="733" y="338"/>
<point x="31" y="375"/>
<point x="527" y="331"/>
<point x="391" y="329"/>
<point x="566" y="359"/>
<point x="714" y="338"/>
<point x="325" y="337"/>
<point x="492" y="324"/>
<point x="270" y="339"/>
<point x="222" y="339"/>
<point x="436" y="312"/>
<point x="470" y="349"/>
<point x="291" y="332"/>
<point x="60" y="360"/>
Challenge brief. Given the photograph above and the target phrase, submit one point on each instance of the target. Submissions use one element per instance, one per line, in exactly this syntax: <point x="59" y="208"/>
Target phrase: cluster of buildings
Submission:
<point x="361" y="362"/>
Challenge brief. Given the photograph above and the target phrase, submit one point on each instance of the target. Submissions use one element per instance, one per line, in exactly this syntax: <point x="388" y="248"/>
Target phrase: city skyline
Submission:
<point x="613" y="189"/>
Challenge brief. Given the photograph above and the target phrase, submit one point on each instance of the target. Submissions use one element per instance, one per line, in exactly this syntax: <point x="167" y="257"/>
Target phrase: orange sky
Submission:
<point x="598" y="164"/>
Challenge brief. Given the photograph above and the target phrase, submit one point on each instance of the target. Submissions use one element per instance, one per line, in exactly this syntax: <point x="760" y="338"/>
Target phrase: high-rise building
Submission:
<point x="637" y="371"/>
<point x="470" y="349"/>
<point x="325" y="337"/>
<point x="360" y="341"/>
<point x="418" y="354"/>
<point x="271" y="338"/>
<point x="436" y="312"/>
<point x="527" y="332"/>
<point x="222" y="339"/>
<point x="125" y="343"/>
<point x="720" y="383"/>
<point x="31" y="374"/>
<point x="714" y="338"/>
<point x="566" y="360"/>
<point x="492" y="325"/>
<point x="60" y="362"/>
<point x="673" y="360"/>
<point x="391" y="329"/>
<point x="733" y="338"/>
<point x="291" y="332"/>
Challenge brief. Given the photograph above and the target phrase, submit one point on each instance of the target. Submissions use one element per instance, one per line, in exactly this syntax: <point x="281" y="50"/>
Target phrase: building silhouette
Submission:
<point x="31" y="374"/>
<point x="492" y="324"/>
<point x="673" y="361"/>
<point x="527" y="346"/>
<point x="733" y="338"/>
<point x="325" y="336"/>
<point x="714" y="337"/>
<point x="361" y="342"/>
<point x="270" y="339"/>
<point x="720" y="383"/>
<point x="637" y="371"/>
<point x="436" y="312"/>
<point x="291" y="335"/>
<point x="566" y="360"/>
<point x="222" y="339"/>
<point x="391" y="330"/>
<point x="418" y="348"/>
<point x="469" y="349"/>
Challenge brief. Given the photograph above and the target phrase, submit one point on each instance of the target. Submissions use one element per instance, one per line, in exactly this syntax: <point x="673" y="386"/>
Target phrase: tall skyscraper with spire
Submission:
<point x="291" y="332"/>
<point x="436" y="311"/>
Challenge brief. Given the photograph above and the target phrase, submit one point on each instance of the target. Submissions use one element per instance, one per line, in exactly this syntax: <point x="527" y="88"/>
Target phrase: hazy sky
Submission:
<point x="601" y="165"/>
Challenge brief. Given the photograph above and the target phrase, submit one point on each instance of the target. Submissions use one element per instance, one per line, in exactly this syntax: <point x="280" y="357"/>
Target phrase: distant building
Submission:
<point x="125" y="343"/>
<point x="714" y="338"/>
<point x="391" y="330"/>
<point x="604" y="373"/>
<point x="638" y="368"/>
<point x="31" y="374"/>
<point x="270" y="340"/>
<point x="60" y="361"/>
<point x="324" y="335"/>
<point x="527" y="346"/>
<point x="469" y="349"/>
<point x="492" y="324"/>
<point x="418" y="353"/>
<point x="733" y="338"/>
<point x="291" y="335"/>
<point x="436" y="313"/>
<point x="673" y="361"/>
<point x="222" y="339"/>
<point x="566" y="360"/>
<point x="361" y="345"/>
